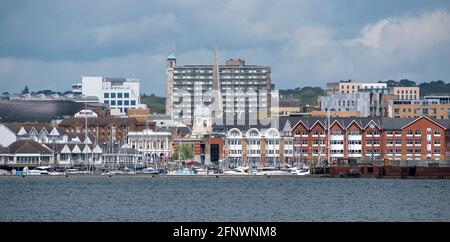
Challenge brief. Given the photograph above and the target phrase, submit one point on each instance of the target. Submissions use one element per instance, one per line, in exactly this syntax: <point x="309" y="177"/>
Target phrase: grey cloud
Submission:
<point x="52" y="43"/>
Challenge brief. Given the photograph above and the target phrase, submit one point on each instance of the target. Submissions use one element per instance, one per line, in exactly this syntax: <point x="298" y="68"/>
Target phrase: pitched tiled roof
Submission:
<point x="100" y="121"/>
<point x="26" y="147"/>
<point x="28" y="126"/>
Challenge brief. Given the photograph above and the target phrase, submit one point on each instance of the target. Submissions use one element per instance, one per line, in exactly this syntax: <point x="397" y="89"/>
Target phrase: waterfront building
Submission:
<point x="367" y="104"/>
<point x="372" y="138"/>
<point x="153" y="146"/>
<point x="342" y="87"/>
<point x="354" y="102"/>
<point x="287" y="107"/>
<point x="319" y="140"/>
<point x="348" y="87"/>
<point x="106" y="130"/>
<point x="406" y="93"/>
<point x="258" y="144"/>
<point x="373" y="87"/>
<point x="120" y="94"/>
<point x="437" y="107"/>
<point x="23" y="153"/>
<point x="241" y="89"/>
<point x="38" y="132"/>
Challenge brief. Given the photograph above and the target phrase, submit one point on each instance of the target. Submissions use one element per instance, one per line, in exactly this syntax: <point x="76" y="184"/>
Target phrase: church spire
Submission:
<point x="217" y="95"/>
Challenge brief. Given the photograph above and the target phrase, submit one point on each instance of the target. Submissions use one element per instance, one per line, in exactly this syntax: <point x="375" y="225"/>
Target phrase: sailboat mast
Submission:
<point x="328" y="136"/>
<point x="85" y="133"/>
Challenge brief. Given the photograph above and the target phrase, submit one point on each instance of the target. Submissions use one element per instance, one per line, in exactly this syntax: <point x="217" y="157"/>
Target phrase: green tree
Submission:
<point x="184" y="151"/>
<point x="25" y="90"/>
<point x="407" y="83"/>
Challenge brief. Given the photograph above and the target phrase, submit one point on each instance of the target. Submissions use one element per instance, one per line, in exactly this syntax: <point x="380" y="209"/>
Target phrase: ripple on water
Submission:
<point x="227" y="199"/>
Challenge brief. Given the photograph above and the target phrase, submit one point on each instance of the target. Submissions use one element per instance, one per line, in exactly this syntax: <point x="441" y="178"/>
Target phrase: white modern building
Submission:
<point x="359" y="101"/>
<point x="120" y="94"/>
<point x="152" y="146"/>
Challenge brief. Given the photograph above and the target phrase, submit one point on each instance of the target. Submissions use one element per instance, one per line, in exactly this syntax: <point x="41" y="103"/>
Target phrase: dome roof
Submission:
<point x="171" y="56"/>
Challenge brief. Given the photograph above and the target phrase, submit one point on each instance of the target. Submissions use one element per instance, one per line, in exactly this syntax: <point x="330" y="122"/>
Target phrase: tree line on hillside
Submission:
<point x="306" y="95"/>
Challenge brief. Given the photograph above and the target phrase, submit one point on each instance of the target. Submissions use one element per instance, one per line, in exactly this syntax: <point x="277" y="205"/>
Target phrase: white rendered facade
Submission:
<point x="150" y="144"/>
<point x="119" y="93"/>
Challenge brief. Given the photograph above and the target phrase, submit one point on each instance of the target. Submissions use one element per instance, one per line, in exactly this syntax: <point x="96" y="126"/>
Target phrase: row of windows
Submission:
<point x="406" y="91"/>
<point x="408" y="132"/>
<point x="120" y="102"/>
<point x="116" y="95"/>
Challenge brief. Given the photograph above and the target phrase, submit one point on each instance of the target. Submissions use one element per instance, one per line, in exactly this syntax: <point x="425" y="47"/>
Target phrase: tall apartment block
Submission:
<point x="244" y="88"/>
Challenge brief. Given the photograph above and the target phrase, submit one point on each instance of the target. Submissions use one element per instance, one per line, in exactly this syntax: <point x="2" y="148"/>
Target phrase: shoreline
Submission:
<point x="218" y="176"/>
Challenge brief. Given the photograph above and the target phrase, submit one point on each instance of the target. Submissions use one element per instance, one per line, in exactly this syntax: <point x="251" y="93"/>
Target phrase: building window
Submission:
<point x="119" y="102"/>
<point x="126" y="102"/>
<point x="113" y="95"/>
<point x="437" y="132"/>
<point x="418" y="133"/>
<point x="119" y="95"/>
<point x="126" y="95"/>
<point x="113" y="102"/>
<point x="106" y="102"/>
<point x="409" y="132"/>
<point x="133" y="103"/>
<point x="106" y="95"/>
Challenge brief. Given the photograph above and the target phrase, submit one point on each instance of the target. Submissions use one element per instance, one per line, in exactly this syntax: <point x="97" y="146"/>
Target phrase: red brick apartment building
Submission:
<point x="422" y="138"/>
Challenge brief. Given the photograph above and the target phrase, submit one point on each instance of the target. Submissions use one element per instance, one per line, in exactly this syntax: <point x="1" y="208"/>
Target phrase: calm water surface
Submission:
<point x="223" y="199"/>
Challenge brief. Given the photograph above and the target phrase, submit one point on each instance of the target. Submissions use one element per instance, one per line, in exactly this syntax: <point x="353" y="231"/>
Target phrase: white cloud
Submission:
<point x="410" y="37"/>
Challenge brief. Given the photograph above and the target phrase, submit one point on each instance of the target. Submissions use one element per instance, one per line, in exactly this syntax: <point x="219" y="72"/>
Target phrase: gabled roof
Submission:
<point x="43" y="130"/>
<point x="65" y="150"/>
<point x="22" y="131"/>
<point x="54" y="132"/>
<point x="97" y="150"/>
<point x="372" y="122"/>
<point x="431" y="120"/>
<point x="287" y="126"/>
<point x="76" y="150"/>
<point x="338" y="123"/>
<point x="86" y="149"/>
<point x="26" y="147"/>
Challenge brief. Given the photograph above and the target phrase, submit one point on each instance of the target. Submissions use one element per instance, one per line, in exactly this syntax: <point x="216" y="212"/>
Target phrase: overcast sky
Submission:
<point x="50" y="44"/>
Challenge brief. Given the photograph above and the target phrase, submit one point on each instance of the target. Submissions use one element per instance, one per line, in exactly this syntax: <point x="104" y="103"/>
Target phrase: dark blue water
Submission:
<point x="223" y="199"/>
